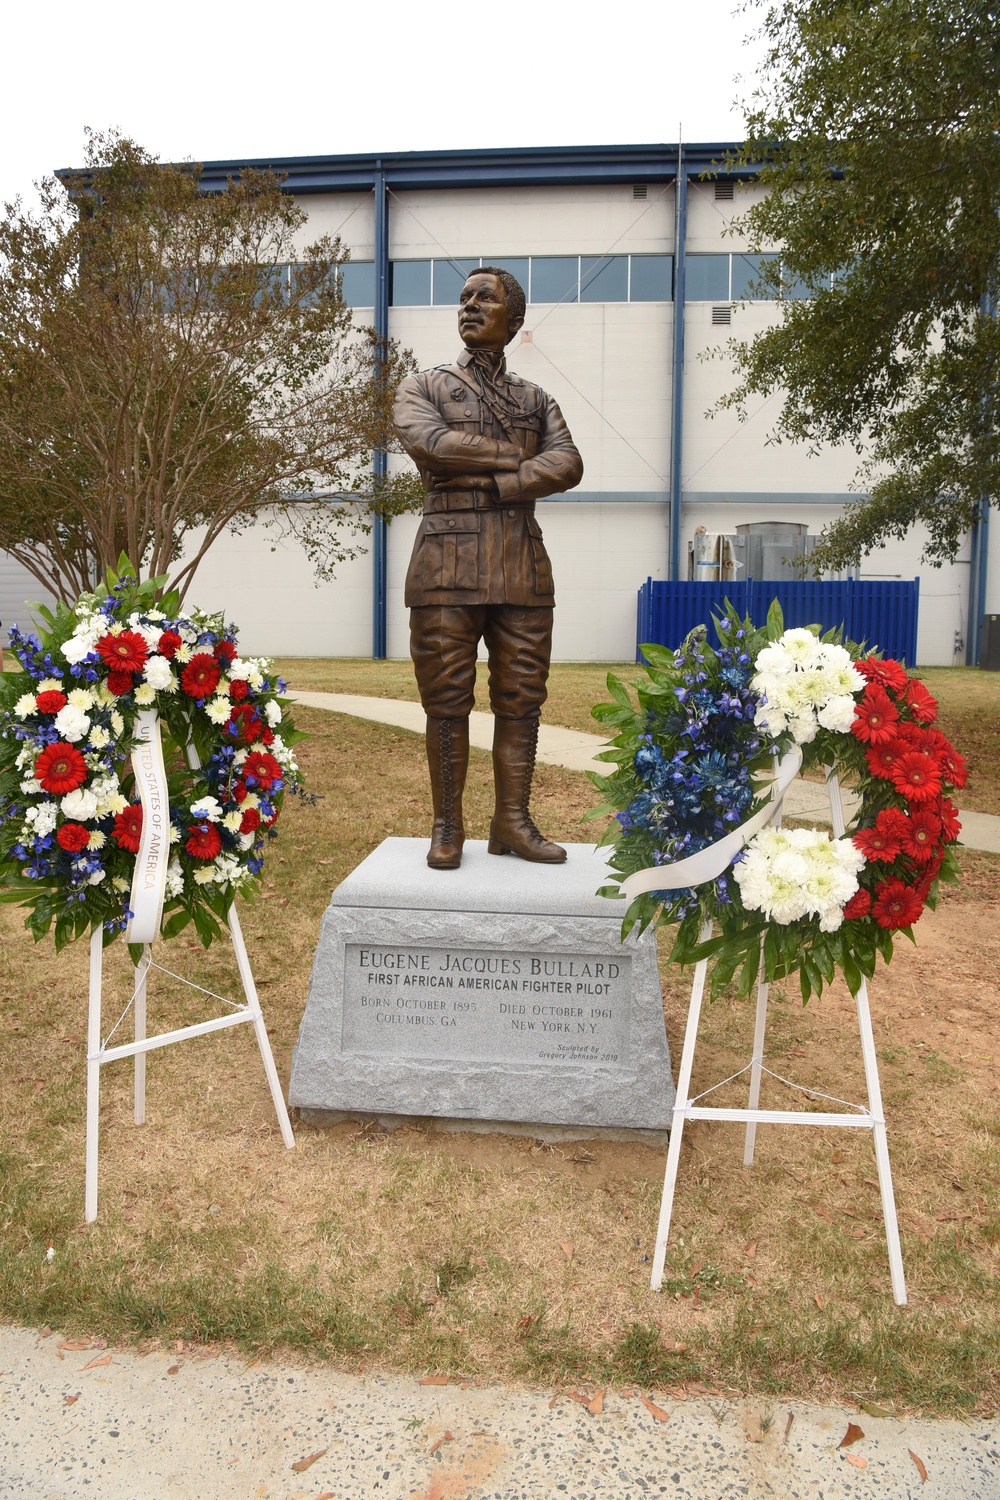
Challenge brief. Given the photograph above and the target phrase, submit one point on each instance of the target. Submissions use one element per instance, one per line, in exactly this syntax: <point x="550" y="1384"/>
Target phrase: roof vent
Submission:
<point x="722" y="316"/>
<point x="723" y="192"/>
<point x="639" y="190"/>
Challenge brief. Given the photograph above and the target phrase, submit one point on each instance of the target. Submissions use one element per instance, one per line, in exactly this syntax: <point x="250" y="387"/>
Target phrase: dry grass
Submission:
<point x="969" y="703"/>
<point x="422" y="1252"/>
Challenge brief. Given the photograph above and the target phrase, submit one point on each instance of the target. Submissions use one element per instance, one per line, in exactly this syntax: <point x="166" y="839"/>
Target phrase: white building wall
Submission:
<point x="609" y="367"/>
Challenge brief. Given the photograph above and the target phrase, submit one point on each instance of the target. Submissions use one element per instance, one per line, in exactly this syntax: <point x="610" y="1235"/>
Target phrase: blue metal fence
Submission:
<point x="882" y="615"/>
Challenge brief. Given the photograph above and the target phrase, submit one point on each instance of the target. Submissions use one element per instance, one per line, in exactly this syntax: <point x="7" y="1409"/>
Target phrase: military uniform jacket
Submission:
<point x="477" y="546"/>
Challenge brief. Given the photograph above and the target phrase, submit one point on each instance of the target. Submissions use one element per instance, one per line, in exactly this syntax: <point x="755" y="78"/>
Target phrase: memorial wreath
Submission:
<point x="716" y="733"/>
<point x="71" y="820"/>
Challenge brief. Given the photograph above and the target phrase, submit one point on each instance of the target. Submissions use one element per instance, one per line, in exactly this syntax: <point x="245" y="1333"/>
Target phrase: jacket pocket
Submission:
<point x="450" y="551"/>
<point x="540" y="558"/>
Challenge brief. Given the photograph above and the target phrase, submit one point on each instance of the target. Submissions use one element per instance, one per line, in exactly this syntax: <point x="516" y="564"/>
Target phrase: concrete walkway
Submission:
<point x="109" y="1425"/>
<point x="575" y="751"/>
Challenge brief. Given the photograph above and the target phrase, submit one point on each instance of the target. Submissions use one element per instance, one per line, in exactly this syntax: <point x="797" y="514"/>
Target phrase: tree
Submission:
<point x="173" y="365"/>
<point x="876" y="126"/>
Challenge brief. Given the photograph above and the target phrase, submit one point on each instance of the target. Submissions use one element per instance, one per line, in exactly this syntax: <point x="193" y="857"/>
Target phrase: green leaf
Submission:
<point x="775" y="621"/>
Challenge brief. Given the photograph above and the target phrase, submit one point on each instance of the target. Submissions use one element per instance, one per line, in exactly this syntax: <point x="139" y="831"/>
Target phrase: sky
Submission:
<point x="207" y="81"/>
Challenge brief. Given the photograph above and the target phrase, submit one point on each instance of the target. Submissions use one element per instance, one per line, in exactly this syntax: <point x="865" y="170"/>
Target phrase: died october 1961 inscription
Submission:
<point x="466" y="1003"/>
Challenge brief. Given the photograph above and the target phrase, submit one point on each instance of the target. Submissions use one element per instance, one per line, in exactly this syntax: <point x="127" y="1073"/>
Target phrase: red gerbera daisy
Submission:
<point x="896" y="905"/>
<point x="244" y="724"/>
<point x="123" y="653"/>
<point x="262" y="767"/>
<point x="169" y="643"/>
<point x="892" y="822"/>
<point x="859" y="905"/>
<point x="60" y="768"/>
<point x="916" y="776"/>
<point x="238" y="689"/>
<point x="50" y="702"/>
<point x="119" y="683"/>
<point x="128" y="827"/>
<point x="205" y="841"/>
<point x="201" y="675"/>
<point x="251" y="820"/>
<point x="953" y="767"/>
<point x="877" y="844"/>
<point x="922" y="704"/>
<point x="876" y="718"/>
<point x="225" y="651"/>
<point x="915" y="736"/>
<point x="922" y="832"/>
<point x="882" y="758"/>
<point x="887" y="674"/>
<point x="951" y="827"/>
<point x="73" y="837"/>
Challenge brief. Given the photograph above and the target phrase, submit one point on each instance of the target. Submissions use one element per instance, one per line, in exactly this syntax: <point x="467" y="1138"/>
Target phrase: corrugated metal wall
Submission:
<point x="878" y="613"/>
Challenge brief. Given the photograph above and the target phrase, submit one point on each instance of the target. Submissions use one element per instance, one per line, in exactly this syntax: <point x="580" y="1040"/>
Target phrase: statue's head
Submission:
<point x="491" y="308"/>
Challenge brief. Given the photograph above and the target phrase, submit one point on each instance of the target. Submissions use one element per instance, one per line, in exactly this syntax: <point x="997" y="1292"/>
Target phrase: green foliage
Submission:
<point x="176" y="362"/>
<point x="875" y="128"/>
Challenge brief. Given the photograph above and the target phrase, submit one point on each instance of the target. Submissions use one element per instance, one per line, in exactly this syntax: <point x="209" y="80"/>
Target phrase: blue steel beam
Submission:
<point x="380" y="530"/>
<point x="677" y="379"/>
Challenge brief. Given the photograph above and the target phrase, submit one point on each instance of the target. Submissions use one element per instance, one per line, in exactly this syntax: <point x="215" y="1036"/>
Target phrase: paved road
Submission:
<point x="108" y="1425"/>
<point x="575" y="751"/>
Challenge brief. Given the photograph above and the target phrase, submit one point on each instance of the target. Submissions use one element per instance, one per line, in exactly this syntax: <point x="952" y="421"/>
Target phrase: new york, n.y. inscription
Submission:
<point x="505" y="1007"/>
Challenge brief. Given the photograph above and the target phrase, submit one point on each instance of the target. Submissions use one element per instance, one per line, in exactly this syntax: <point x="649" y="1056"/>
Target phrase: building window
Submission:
<point x="545" y="278"/>
<point x="746" y="275"/>
<point x="410" y="283"/>
<point x="604" y="278"/>
<point x="706" y="278"/>
<point x="651" y="278"/>
<point x="554" y="278"/>
<point x="357" y="280"/>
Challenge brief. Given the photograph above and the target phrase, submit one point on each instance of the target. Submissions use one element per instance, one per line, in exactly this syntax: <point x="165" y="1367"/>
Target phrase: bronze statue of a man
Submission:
<point x="488" y="445"/>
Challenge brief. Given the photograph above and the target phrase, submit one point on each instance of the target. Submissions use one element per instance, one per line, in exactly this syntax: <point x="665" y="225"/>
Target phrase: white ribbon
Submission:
<point x="709" y="863"/>
<point x="149" y="883"/>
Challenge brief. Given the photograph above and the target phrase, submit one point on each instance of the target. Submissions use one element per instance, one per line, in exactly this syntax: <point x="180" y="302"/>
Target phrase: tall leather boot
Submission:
<point x="512" y="831"/>
<point x="448" y="759"/>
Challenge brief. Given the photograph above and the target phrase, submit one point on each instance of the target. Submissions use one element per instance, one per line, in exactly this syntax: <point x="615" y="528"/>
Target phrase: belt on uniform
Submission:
<point x="439" y="501"/>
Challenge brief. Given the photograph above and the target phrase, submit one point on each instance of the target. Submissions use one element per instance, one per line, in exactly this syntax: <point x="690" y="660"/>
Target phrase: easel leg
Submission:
<point x="677" y="1123"/>
<point x="93" y="1072"/>
<point x="881" y="1147"/>
<point x="759" y="1031"/>
<point x="141" y="970"/>
<point x="250" y="990"/>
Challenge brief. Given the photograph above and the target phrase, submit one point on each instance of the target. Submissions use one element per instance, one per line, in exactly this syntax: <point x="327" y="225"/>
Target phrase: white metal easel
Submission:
<point x="865" y="1117"/>
<point x="98" y="1050"/>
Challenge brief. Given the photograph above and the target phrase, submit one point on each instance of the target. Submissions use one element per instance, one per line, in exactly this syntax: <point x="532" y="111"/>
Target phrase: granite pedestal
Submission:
<point x="498" y="996"/>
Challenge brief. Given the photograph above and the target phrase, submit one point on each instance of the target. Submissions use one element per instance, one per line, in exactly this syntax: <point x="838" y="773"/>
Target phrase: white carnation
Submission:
<point x="159" y="674"/>
<point x="273" y="712"/>
<point x="72" y="723"/>
<point x="208" y="808"/>
<point x="838" y="714"/>
<point x="80" y="805"/>
<point x="96" y="877"/>
<point x="79" y="645"/>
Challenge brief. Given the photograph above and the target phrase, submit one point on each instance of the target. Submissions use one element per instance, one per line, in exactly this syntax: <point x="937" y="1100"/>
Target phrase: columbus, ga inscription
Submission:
<point x="467" y="1003"/>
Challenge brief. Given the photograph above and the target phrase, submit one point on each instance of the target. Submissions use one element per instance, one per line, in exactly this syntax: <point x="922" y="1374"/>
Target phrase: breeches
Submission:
<point x="444" y="641"/>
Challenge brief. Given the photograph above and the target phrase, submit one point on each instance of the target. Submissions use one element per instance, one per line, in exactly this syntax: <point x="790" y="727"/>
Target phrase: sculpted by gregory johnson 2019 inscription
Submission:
<point x="516" y="1007"/>
<point x="488" y="445"/>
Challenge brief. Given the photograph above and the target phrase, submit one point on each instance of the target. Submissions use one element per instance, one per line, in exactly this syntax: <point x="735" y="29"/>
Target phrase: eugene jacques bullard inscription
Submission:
<point x="458" y="1002"/>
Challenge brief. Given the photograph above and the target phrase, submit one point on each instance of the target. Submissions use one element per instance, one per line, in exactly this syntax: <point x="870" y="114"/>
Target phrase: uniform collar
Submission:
<point x="467" y="356"/>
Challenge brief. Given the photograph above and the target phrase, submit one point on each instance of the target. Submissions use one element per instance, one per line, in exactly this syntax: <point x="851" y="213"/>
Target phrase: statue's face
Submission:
<point x="482" y="313"/>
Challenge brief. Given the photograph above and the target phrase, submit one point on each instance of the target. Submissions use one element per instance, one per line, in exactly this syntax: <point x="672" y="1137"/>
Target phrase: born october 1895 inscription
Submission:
<point x="501" y="997"/>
